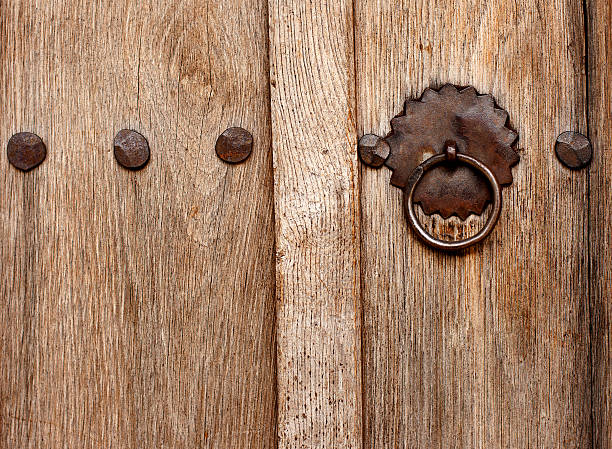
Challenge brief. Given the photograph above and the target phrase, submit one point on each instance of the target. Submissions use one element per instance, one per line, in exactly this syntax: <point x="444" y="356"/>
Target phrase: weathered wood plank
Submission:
<point x="488" y="348"/>
<point x="137" y="307"/>
<point x="599" y="38"/>
<point x="317" y="224"/>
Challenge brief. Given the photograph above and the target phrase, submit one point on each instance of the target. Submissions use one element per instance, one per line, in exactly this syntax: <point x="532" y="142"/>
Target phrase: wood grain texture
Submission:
<point x="137" y="308"/>
<point x="488" y="348"/>
<point x="317" y="224"/>
<point x="599" y="38"/>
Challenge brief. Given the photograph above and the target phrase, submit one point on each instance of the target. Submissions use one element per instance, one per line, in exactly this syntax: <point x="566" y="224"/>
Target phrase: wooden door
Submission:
<point x="284" y="302"/>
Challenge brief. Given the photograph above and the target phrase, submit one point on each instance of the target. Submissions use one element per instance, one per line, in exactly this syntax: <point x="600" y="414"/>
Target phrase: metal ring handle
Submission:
<point x="417" y="176"/>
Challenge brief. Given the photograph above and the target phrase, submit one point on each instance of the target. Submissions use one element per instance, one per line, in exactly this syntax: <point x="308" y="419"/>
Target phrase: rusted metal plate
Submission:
<point x="461" y="118"/>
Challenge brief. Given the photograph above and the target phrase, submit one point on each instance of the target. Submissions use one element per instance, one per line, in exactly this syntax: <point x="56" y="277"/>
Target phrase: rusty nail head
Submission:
<point x="25" y="151"/>
<point x="131" y="149"/>
<point x="574" y="150"/>
<point x="373" y="150"/>
<point x="234" y="145"/>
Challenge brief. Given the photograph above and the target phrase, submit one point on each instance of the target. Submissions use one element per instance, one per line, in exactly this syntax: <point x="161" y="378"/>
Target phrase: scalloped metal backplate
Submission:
<point x="474" y="125"/>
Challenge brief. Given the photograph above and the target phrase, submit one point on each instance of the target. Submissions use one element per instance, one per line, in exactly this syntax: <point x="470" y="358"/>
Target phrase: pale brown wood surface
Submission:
<point x="599" y="38"/>
<point x="137" y="308"/>
<point x="488" y="348"/>
<point x="317" y="224"/>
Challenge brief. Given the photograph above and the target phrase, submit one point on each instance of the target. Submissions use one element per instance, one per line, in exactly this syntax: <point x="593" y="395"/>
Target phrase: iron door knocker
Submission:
<point x="451" y="151"/>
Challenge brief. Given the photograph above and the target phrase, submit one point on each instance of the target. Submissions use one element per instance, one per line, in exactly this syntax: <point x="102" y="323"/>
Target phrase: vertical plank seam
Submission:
<point x="359" y="274"/>
<point x="589" y="286"/>
<point x="360" y="221"/>
<point x="275" y="228"/>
